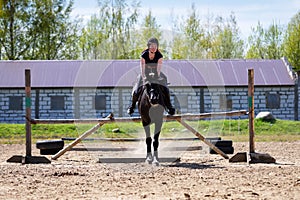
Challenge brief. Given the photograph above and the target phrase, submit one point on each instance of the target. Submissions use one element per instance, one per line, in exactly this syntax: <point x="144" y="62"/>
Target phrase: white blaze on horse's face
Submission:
<point x="151" y="75"/>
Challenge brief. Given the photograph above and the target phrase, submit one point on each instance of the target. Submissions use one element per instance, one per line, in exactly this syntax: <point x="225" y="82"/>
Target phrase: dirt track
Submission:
<point x="77" y="175"/>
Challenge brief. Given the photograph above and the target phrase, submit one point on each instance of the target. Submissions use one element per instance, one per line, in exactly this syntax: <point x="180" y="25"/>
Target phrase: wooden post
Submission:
<point x="28" y="111"/>
<point x="251" y="109"/>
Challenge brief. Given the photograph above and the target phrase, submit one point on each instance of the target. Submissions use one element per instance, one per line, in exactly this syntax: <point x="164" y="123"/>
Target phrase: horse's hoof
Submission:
<point x="149" y="159"/>
<point x="155" y="163"/>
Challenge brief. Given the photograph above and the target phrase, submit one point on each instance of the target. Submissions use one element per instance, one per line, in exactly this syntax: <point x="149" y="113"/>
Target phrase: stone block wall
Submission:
<point x="239" y="99"/>
<point x="86" y="103"/>
<point x="44" y="107"/>
<point x="7" y="115"/>
<point x="80" y="102"/>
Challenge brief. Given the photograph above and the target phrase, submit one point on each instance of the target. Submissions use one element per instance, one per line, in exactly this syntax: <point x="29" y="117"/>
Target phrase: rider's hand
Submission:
<point x="144" y="79"/>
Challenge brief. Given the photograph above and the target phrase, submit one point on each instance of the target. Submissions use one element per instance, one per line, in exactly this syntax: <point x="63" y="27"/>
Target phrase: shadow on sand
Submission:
<point x="193" y="165"/>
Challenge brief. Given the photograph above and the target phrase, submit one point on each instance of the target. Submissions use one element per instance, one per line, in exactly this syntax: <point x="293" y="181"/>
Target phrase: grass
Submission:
<point x="237" y="130"/>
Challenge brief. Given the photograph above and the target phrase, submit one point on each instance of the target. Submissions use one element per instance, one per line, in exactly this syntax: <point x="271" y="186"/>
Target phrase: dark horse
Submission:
<point x="151" y="109"/>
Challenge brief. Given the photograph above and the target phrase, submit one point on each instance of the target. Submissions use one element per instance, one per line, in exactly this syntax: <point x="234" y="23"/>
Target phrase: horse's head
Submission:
<point x="154" y="94"/>
<point x="153" y="88"/>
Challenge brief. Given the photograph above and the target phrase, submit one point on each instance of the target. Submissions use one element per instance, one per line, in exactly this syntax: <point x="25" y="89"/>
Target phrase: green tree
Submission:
<point x="148" y="28"/>
<point x="216" y="38"/>
<point x="54" y="35"/>
<point x="274" y="41"/>
<point x="226" y="40"/>
<point x="178" y="47"/>
<point x="38" y="29"/>
<point x="121" y="20"/>
<point x="292" y="42"/>
<point x="194" y="33"/>
<point x="94" y="34"/>
<point x="189" y="44"/>
<point x="265" y="43"/>
<point x="14" y="28"/>
<point x="208" y="36"/>
<point x="255" y="41"/>
<point x="109" y="33"/>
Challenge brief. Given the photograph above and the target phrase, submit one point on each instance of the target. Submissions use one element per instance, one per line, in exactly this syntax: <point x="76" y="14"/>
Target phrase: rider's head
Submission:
<point x="152" y="44"/>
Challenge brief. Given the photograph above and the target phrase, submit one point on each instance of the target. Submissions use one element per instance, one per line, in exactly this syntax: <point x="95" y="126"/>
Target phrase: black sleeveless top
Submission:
<point x="151" y="65"/>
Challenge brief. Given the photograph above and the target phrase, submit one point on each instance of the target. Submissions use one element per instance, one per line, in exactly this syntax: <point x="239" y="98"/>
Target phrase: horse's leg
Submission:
<point x="158" y="126"/>
<point x="149" y="157"/>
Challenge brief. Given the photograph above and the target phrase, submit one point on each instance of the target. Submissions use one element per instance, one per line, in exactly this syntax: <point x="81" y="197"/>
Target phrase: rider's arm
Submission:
<point x="159" y="66"/>
<point x="143" y="67"/>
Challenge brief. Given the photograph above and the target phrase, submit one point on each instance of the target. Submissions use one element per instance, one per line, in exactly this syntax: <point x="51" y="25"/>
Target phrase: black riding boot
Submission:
<point x="168" y="104"/>
<point x="131" y="108"/>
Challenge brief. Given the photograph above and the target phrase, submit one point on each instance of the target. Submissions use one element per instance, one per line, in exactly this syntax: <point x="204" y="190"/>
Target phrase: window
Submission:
<point x="57" y="103"/>
<point x="272" y="101"/>
<point x="225" y="102"/>
<point x="15" y="103"/>
<point x="100" y="102"/>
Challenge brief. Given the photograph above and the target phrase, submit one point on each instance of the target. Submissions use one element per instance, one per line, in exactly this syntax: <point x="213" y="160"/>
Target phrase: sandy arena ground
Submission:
<point x="77" y="175"/>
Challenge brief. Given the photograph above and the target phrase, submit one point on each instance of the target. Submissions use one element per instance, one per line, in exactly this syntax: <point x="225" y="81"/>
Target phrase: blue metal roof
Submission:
<point x="122" y="73"/>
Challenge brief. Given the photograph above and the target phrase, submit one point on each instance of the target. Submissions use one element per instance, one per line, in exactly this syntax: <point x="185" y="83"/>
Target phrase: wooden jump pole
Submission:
<point x="110" y="119"/>
<point x="137" y="119"/>
<point x="79" y="139"/>
<point x="28" y="111"/>
<point x="196" y="133"/>
<point x="251" y="109"/>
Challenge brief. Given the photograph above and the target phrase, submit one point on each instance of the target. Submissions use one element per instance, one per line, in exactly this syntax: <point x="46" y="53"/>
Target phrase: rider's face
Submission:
<point x="153" y="47"/>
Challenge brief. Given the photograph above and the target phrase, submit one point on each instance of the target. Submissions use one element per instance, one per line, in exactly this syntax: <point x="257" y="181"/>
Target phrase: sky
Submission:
<point x="247" y="12"/>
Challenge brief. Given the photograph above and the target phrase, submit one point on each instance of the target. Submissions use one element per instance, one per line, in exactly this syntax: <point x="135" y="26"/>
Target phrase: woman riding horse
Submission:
<point x="155" y="96"/>
<point x="151" y="61"/>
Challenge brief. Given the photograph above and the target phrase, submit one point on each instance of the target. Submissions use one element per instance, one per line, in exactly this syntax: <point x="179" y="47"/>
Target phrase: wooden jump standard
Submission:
<point x="254" y="157"/>
<point x="28" y="158"/>
<point x="111" y="119"/>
